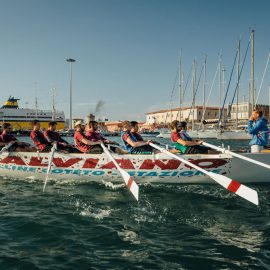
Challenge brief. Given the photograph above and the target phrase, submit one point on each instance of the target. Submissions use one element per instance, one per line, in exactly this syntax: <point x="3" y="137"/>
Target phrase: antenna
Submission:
<point x="53" y="104"/>
<point x="36" y="100"/>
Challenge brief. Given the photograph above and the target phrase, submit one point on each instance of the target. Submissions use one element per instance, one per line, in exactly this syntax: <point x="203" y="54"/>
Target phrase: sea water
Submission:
<point x="88" y="225"/>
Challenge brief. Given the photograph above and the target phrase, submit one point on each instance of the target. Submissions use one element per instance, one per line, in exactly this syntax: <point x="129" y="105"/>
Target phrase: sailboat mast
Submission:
<point x="180" y="85"/>
<point x="222" y="89"/>
<point x="252" y="88"/>
<point x="193" y="93"/>
<point x="204" y="85"/>
<point x="238" y="78"/>
<point x="220" y="96"/>
<point x="269" y="105"/>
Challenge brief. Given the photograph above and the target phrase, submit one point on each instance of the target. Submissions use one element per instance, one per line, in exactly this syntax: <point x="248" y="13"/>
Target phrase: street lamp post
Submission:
<point x="70" y="60"/>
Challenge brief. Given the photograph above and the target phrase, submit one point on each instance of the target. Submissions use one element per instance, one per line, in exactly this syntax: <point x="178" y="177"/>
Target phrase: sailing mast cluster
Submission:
<point x="232" y="116"/>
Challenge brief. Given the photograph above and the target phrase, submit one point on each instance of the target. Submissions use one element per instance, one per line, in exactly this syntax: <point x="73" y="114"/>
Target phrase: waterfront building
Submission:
<point x="243" y="110"/>
<point x="167" y="116"/>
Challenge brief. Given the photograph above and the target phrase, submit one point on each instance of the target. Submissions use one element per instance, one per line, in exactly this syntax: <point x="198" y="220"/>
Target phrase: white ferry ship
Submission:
<point x="21" y="119"/>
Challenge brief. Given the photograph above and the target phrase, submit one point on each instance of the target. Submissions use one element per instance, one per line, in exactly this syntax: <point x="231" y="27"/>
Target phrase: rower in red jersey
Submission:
<point x="51" y="135"/>
<point x="93" y="135"/>
<point x="6" y="137"/>
<point x="38" y="138"/>
<point x="82" y="143"/>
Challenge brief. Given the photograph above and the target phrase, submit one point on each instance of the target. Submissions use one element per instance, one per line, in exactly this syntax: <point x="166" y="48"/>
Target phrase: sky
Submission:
<point x="126" y="51"/>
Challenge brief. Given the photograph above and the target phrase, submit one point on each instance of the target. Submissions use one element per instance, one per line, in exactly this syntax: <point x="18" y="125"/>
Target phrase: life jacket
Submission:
<point x="127" y="146"/>
<point x="184" y="136"/>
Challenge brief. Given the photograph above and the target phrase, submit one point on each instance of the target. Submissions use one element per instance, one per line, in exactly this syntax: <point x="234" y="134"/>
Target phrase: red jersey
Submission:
<point x="7" y="138"/>
<point x="94" y="136"/>
<point x="180" y="135"/>
<point x="53" y="136"/>
<point x="125" y="136"/>
<point x="175" y="136"/>
<point x="78" y="136"/>
<point x="39" y="140"/>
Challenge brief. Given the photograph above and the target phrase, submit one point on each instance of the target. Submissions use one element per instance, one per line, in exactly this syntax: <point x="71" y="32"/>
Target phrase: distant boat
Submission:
<point x="233" y="135"/>
<point x="200" y="134"/>
<point x="21" y="119"/>
<point x="213" y="134"/>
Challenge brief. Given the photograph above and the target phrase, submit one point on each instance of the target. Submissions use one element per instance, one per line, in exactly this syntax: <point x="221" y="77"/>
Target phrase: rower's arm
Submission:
<point x="187" y="143"/>
<point x="48" y="139"/>
<point x="136" y="144"/>
<point x="85" y="141"/>
<point x="63" y="141"/>
<point x="253" y="129"/>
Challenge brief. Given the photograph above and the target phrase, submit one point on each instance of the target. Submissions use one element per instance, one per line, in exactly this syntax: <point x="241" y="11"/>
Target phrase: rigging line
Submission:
<point x="221" y="112"/>
<point x="193" y="100"/>
<point x="208" y="98"/>
<point x="171" y="98"/>
<point x="262" y="80"/>
<point x="183" y="94"/>
<point x="230" y="107"/>
<point x="189" y="74"/>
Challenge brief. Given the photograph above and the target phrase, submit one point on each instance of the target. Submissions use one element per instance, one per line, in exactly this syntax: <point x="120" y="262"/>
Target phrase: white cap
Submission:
<point x="80" y="122"/>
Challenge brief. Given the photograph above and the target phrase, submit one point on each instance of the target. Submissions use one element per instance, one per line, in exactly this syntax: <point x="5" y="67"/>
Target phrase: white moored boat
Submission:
<point x="196" y="134"/>
<point x="158" y="168"/>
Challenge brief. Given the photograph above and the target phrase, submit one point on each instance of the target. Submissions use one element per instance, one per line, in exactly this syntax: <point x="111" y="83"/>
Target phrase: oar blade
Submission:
<point x="241" y="190"/>
<point x="248" y="193"/>
<point x="131" y="184"/>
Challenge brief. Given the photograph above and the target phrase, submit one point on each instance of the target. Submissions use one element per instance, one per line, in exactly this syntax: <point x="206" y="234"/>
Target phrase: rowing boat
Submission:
<point x="156" y="168"/>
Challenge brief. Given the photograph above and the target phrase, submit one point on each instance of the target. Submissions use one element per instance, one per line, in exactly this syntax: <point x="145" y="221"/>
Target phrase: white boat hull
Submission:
<point x="156" y="168"/>
<point x="209" y="134"/>
<point x="201" y="134"/>
<point x="233" y="135"/>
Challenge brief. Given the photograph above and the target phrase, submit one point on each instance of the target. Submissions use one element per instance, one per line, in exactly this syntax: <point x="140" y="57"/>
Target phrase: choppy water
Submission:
<point x="100" y="226"/>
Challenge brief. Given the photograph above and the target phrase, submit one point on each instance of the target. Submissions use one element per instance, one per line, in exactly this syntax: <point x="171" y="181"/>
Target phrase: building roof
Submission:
<point x="183" y="108"/>
<point x="113" y="123"/>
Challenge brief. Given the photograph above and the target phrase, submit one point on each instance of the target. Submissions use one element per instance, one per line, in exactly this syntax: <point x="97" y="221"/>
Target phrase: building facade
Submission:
<point x="244" y="111"/>
<point x="167" y="116"/>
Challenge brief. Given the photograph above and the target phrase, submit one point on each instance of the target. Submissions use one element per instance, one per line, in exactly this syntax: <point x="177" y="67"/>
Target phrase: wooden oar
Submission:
<point x="231" y="185"/>
<point x="131" y="184"/>
<point x="49" y="166"/>
<point x="223" y="150"/>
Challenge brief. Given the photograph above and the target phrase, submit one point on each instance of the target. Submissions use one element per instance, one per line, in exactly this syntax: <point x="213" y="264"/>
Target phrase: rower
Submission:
<point x="7" y="138"/>
<point x="52" y="136"/>
<point x="82" y="143"/>
<point x="38" y="138"/>
<point x="183" y="142"/>
<point x="93" y="135"/>
<point x="134" y="130"/>
<point x="133" y="143"/>
<point x="257" y="127"/>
